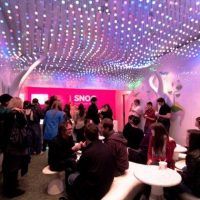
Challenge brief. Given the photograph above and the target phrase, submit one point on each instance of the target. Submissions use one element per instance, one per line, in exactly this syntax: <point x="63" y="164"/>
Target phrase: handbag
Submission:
<point x="20" y="136"/>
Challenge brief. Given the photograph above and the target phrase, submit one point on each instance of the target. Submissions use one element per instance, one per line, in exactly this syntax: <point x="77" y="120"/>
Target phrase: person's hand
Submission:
<point x="83" y="144"/>
<point x="157" y="114"/>
<point x="76" y="147"/>
<point x="79" y="146"/>
<point x="149" y="162"/>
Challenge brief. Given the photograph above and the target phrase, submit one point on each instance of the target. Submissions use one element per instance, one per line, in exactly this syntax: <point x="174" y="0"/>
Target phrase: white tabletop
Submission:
<point x="180" y="164"/>
<point x="182" y="156"/>
<point x="152" y="175"/>
<point x="101" y="137"/>
<point x="180" y="148"/>
<point x="125" y="186"/>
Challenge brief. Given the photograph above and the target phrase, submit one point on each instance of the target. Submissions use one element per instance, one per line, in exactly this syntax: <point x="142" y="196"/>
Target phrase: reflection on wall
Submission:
<point x="178" y="83"/>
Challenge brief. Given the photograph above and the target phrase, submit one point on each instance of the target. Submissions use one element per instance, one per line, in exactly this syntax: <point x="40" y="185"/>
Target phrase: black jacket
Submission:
<point x="118" y="146"/>
<point x="96" y="167"/>
<point x="107" y="114"/>
<point x="92" y="113"/>
<point x="192" y="175"/>
<point x="12" y="119"/>
<point x="3" y="112"/>
<point x="133" y="135"/>
<point x="15" y="158"/>
<point x="60" y="155"/>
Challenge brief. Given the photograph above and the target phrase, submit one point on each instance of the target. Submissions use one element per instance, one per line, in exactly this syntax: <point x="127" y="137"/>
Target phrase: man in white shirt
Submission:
<point x="136" y="109"/>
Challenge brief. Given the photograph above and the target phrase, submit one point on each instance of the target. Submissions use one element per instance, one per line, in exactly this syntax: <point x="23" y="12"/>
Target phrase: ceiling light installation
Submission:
<point x="113" y="41"/>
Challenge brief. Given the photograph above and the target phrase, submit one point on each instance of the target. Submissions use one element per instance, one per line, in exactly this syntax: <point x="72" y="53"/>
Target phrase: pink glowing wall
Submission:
<point x="76" y="96"/>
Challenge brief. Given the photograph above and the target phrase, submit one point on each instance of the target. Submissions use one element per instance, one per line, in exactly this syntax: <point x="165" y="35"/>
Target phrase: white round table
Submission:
<point x="101" y="137"/>
<point x="157" y="178"/>
<point x="177" y="150"/>
<point x="56" y="185"/>
<point x="78" y="154"/>
<point x="180" y="164"/>
<point x="180" y="148"/>
<point x="182" y="156"/>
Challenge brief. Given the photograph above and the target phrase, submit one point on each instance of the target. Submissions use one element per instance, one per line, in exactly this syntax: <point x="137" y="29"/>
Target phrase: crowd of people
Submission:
<point x="66" y="131"/>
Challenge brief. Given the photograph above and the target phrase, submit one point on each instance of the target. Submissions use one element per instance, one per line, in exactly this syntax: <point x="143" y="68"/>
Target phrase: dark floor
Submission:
<point x="34" y="183"/>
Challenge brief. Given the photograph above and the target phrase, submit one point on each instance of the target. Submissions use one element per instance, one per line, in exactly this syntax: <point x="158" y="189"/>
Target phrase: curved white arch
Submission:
<point x="31" y="68"/>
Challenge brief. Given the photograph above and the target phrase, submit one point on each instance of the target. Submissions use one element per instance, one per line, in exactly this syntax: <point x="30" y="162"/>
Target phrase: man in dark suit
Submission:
<point x="164" y="113"/>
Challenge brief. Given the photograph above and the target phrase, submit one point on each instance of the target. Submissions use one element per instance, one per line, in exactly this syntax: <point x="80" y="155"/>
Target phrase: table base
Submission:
<point x="156" y="193"/>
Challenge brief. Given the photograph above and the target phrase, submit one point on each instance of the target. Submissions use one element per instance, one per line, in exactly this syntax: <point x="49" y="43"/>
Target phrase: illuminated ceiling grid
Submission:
<point x="117" y="40"/>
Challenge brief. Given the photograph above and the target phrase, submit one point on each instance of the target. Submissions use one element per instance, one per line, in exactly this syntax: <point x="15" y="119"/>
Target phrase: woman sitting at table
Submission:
<point x="62" y="150"/>
<point x="161" y="147"/>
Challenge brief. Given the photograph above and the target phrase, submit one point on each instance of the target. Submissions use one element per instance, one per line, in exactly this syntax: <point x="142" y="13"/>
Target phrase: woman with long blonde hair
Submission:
<point x="15" y="102"/>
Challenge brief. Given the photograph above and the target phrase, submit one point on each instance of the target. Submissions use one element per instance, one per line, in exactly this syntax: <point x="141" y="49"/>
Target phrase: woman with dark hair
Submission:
<point x="79" y="123"/>
<point x="106" y="112"/>
<point x="161" y="147"/>
<point x="49" y="103"/>
<point x="52" y="99"/>
<point x="61" y="154"/>
<point x="67" y="112"/>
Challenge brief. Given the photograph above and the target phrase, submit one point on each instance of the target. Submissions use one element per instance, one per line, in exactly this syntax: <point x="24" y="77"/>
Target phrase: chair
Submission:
<point x="56" y="185"/>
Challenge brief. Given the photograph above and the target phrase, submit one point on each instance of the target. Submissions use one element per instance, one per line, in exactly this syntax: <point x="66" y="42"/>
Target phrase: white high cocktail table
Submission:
<point x="157" y="178"/>
<point x="180" y="164"/>
<point x="177" y="150"/>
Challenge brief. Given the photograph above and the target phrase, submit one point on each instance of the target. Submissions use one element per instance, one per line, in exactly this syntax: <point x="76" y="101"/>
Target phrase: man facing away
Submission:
<point x="117" y="144"/>
<point x="133" y="134"/>
<point x="92" y="113"/>
<point x="95" y="168"/>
